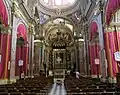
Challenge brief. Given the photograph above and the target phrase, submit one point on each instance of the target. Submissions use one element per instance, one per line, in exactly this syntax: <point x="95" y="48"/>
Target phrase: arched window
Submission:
<point x="26" y="2"/>
<point x="59" y="3"/>
<point x="46" y="1"/>
<point x="63" y="2"/>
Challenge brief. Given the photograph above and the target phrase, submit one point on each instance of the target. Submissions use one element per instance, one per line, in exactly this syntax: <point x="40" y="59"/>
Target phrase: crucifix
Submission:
<point x="59" y="59"/>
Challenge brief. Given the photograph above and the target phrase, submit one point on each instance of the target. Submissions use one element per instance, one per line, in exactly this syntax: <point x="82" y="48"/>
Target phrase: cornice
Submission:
<point x="25" y="11"/>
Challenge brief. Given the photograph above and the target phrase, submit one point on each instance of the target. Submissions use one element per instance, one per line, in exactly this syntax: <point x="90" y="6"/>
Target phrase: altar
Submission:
<point x="59" y="64"/>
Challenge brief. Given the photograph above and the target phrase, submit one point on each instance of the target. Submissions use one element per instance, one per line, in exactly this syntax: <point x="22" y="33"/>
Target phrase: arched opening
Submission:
<point x="5" y="41"/>
<point x="21" y="50"/>
<point x="58" y="36"/>
<point x="94" y="48"/>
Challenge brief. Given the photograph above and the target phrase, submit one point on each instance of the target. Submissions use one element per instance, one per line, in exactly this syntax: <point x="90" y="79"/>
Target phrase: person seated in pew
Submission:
<point x="103" y="79"/>
<point x="23" y="75"/>
<point x="77" y="74"/>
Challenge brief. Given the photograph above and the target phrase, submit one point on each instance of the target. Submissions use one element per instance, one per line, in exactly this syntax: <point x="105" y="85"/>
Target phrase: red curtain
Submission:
<point x="22" y="51"/>
<point x="94" y="53"/>
<point x="93" y="48"/>
<point x="5" y="40"/>
<point x="22" y="31"/>
<point x="5" y="52"/>
<point x="3" y="13"/>
<point x="21" y="54"/>
<point x="111" y="8"/>
<point x="18" y="57"/>
<point x="111" y="46"/>
<point x="93" y="29"/>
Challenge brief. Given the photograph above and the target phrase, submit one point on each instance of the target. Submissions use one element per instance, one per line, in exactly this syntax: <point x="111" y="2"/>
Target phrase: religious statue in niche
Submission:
<point x="59" y="58"/>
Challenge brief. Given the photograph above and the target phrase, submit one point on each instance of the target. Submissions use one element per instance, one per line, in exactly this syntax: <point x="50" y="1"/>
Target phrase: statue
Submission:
<point x="59" y="60"/>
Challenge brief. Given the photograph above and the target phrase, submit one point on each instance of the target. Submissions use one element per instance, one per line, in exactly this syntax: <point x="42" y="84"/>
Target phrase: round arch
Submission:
<point x="8" y="9"/>
<point x="4" y="14"/>
<point x="53" y="18"/>
<point x="93" y="29"/>
<point x="22" y="31"/>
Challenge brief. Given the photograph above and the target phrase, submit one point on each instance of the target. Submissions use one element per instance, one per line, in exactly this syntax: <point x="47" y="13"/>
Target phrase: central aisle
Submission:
<point x="57" y="90"/>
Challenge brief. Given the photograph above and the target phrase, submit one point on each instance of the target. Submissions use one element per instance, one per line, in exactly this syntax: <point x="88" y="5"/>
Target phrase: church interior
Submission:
<point x="59" y="47"/>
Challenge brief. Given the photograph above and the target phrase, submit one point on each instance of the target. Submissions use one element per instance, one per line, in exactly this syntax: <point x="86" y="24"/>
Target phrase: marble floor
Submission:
<point x="57" y="90"/>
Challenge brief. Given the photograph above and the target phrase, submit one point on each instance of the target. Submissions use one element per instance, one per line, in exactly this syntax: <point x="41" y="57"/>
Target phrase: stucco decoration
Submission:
<point x="59" y="36"/>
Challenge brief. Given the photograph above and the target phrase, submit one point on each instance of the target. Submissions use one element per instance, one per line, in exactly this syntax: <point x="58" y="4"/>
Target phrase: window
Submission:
<point x="25" y="1"/>
<point x="63" y="2"/>
<point x="71" y="1"/>
<point x="58" y="2"/>
<point x="46" y="1"/>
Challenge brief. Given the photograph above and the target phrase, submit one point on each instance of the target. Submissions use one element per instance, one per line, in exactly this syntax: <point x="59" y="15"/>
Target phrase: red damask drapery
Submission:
<point x="112" y="45"/>
<point x="111" y="38"/>
<point x="94" y="53"/>
<point x="3" y="13"/>
<point x="22" y="31"/>
<point x="93" y="29"/>
<point x="5" y="43"/>
<point x="22" y="52"/>
<point x="111" y="8"/>
<point x="94" y="47"/>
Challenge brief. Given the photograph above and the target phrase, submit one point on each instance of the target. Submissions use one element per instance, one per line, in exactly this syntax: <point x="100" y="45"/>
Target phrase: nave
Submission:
<point x="57" y="90"/>
<point x="57" y="37"/>
<point x="41" y="85"/>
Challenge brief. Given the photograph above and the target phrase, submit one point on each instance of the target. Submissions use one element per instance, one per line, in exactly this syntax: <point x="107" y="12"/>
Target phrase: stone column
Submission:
<point x="41" y="54"/>
<point x="36" y="58"/>
<point x="13" y="43"/>
<point x="77" y="56"/>
<point x="29" y="61"/>
<point x="86" y="45"/>
<point x="31" y="52"/>
<point x="101" y="40"/>
<point x="45" y="60"/>
<point x="39" y="60"/>
<point x="72" y="59"/>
